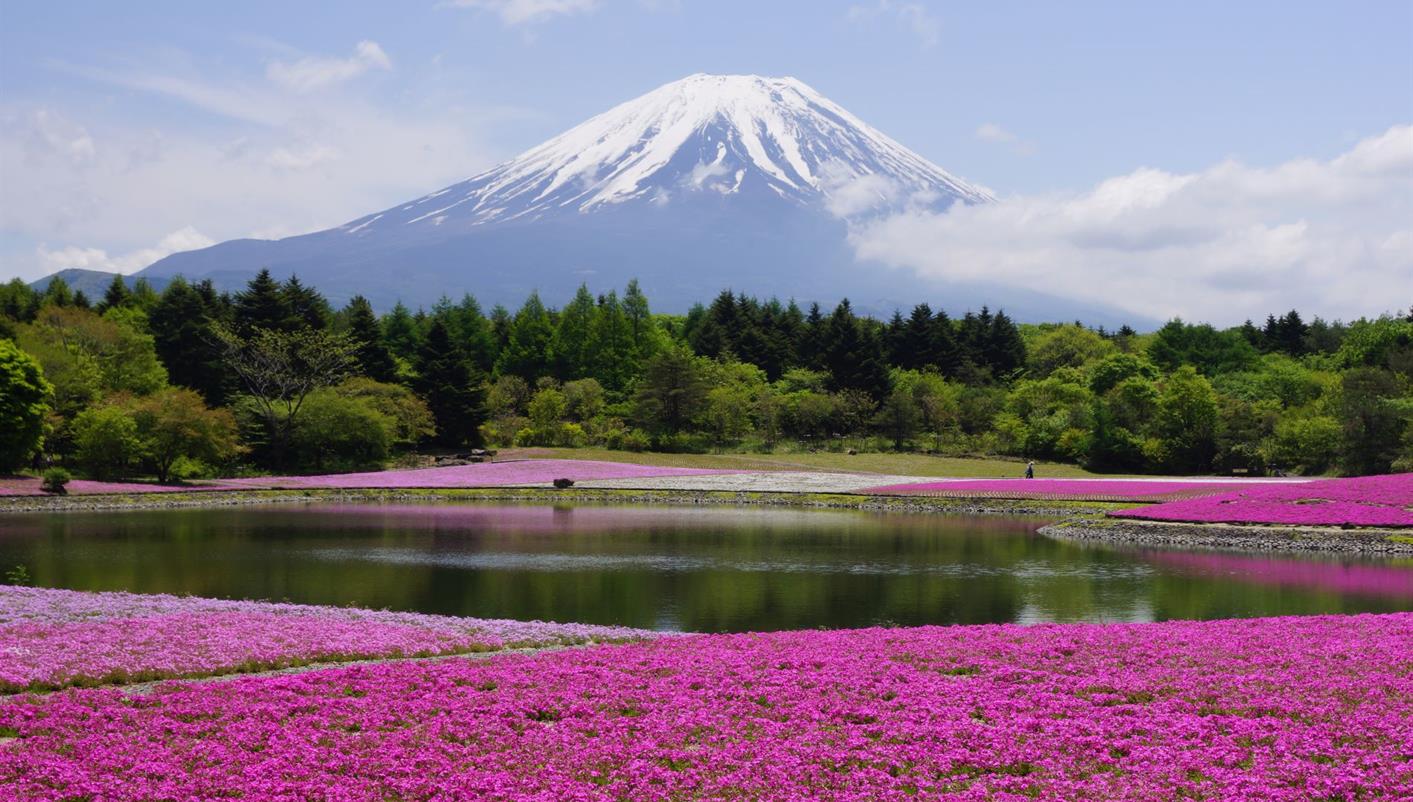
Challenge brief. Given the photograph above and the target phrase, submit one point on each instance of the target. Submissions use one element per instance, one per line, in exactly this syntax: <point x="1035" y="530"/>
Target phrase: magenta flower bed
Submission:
<point x="1363" y="501"/>
<point x="53" y="638"/>
<point x="1076" y="489"/>
<point x="488" y="474"/>
<point x="1273" y="709"/>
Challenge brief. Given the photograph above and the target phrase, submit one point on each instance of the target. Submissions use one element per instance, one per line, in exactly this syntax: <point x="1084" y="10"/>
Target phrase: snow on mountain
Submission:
<point x="705" y="133"/>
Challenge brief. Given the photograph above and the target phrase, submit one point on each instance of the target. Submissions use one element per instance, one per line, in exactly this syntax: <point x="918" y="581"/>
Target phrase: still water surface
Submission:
<point x="695" y="569"/>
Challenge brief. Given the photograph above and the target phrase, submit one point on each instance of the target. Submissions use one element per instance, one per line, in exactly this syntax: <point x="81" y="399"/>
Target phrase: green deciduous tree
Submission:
<point x="106" y="440"/>
<point x="25" y="398"/>
<point x="279" y="369"/>
<point x="1371" y="420"/>
<point x="176" y="424"/>
<point x="1186" y="422"/>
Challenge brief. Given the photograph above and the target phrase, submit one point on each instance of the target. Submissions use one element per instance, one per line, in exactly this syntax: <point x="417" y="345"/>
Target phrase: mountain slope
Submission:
<point x="705" y="183"/>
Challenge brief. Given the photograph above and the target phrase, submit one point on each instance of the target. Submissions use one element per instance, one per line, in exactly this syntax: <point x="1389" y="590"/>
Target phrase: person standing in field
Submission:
<point x="1030" y="470"/>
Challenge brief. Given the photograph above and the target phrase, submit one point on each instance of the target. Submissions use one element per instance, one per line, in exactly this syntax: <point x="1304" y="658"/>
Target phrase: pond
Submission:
<point x="677" y="568"/>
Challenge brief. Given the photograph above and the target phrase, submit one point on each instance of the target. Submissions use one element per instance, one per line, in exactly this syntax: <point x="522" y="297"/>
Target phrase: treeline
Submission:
<point x="191" y="381"/>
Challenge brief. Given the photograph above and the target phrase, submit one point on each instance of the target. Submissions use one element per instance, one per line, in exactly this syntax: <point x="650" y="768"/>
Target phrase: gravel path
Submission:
<point x="757" y="482"/>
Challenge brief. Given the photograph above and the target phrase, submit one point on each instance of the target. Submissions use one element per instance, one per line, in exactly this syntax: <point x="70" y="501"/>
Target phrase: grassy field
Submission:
<point x="900" y="464"/>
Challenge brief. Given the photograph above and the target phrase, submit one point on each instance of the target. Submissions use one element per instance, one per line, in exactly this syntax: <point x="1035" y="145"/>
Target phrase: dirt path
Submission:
<point x="146" y="688"/>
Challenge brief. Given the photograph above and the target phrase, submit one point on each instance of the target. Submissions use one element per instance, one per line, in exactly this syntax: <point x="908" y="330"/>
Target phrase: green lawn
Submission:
<point x="901" y="464"/>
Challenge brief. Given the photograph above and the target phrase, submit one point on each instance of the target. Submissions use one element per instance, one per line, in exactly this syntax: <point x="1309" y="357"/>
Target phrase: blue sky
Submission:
<point x="130" y="129"/>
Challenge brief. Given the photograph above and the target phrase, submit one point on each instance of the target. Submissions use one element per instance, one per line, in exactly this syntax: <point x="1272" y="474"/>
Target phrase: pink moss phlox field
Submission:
<point x="1268" y="709"/>
<point x="1076" y="489"/>
<point x="54" y="638"/>
<point x="1362" y="501"/>
<point x="29" y="486"/>
<point x="486" y="474"/>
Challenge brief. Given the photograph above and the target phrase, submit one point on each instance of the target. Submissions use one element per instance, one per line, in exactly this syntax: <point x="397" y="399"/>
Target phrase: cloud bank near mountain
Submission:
<point x="1223" y="244"/>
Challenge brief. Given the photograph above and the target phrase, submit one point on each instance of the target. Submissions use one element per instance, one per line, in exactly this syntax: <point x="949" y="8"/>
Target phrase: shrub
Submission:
<point x="55" y="481"/>
<point x="106" y="440"/>
<point x="336" y="432"/>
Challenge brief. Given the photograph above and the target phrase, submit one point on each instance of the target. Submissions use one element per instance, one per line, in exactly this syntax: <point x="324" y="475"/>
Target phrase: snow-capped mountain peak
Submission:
<point x="719" y="134"/>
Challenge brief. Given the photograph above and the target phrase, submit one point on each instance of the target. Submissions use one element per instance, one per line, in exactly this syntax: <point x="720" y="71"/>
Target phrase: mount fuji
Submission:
<point x="706" y="183"/>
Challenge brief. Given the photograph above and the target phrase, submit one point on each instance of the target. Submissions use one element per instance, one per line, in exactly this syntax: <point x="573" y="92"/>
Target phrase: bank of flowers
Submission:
<point x="1363" y="501"/>
<point x="1273" y="709"/>
<point x="56" y="638"/>
<point x="1056" y="489"/>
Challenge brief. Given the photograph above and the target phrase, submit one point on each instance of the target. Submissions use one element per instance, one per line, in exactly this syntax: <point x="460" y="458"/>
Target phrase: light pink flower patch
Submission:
<point x="1362" y="501"/>
<point x="29" y="486"/>
<point x="55" y="638"/>
<point x="1060" y="489"/>
<point x="1280" y="710"/>
<point x="486" y="474"/>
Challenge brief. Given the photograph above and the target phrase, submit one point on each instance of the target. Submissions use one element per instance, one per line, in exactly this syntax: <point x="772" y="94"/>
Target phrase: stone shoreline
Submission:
<point x="1081" y="521"/>
<point x="540" y="495"/>
<point x="1233" y="537"/>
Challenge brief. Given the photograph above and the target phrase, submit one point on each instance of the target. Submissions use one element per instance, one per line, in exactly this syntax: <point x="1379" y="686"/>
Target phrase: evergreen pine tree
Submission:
<point x="527" y="353"/>
<point x="180" y="322"/>
<point x="715" y="336"/>
<point x="501" y="326"/>
<point x="262" y="305"/>
<point x="57" y="293"/>
<point x="117" y="295"/>
<point x="144" y="297"/>
<point x="853" y="354"/>
<point x="640" y="322"/>
<point x="917" y="342"/>
<point x="452" y="387"/>
<point x="946" y="353"/>
<point x="307" y="307"/>
<point x="400" y="333"/>
<point x="1292" y="331"/>
<point x="572" y="345"/>
<point x="810" y="345"/>
<point x="374" y="359"/>
<point x="81" y="300"/>
<point x="895" y="339"/>
<point x="615" y="362"/>
<point x="1005" y="347"/>
<point x="476" y="335"/>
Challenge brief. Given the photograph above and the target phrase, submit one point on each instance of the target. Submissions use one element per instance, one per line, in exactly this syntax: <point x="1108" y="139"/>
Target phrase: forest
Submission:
<point x="192" y="382"/>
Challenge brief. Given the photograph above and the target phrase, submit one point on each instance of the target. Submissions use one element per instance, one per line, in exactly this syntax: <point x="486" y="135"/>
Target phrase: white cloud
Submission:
<point x="185" y="239"/>
<point x="913" y="16"/>
<point x="60" y="136"/>
<point x="276" y="162"/>
<point x="523" y="12"/>
<point x="300" y="157"/>
<point x="316" y="72"/>
<point x="1230" y="242"/>
<point x="991" y="132"/>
